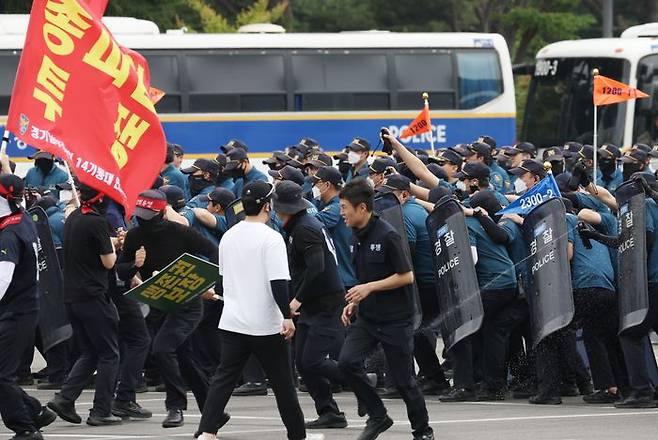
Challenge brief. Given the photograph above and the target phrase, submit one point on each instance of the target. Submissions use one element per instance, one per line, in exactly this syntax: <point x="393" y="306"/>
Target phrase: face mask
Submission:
<point x="152" y="224"/>
<point x="238" y="172"/>
<point x="353" y="157"/>
<point x="607" y="167"/>
<point x="65" y="195"/>
<point x="316" y="192"/>
<point x="557" y="168"/>
<point x="5" y="210"/>
<point x="629" y="168"/>
<point x="197" y="184"/>
<point x="45" y="165"/>
<point x="460" y="185"/>
<point x="519" y="186"/>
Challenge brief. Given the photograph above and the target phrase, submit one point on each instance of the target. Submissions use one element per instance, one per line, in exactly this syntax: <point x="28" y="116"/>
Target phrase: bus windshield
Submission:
<point x="559" y="106"/>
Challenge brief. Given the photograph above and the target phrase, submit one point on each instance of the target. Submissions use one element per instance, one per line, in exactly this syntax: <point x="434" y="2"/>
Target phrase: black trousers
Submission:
<point x="17" y="409"/>
<point x="95" y="329"/>
<point x="557" y="357"/>
<point x="503" y="312"/>
<point x="318" y="336"/>
<point x="58" y="359"/>
<point x="397" y="342"/>
<point x="633" y="345"/>
<point x="425" y="339"/>
<point x="597" y="314"/>
<point x="134" y="342"/>
<point x="205" y="339"/>
<point x="172" y="350"/>
<point x="273" y="353"/>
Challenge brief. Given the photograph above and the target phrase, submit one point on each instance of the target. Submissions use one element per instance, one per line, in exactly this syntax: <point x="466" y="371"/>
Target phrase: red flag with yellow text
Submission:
<point x="419" y="125"/>
<point x="84" y="98"/>
<point x="608" y="91"/>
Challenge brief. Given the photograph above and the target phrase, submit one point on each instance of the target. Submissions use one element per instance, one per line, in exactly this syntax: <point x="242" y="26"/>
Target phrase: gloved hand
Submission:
<point x="586" y="232"/>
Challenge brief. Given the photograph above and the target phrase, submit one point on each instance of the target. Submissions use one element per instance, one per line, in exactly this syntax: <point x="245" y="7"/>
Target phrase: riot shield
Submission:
<point x="460" y="304"/>
<point x="632" y="256"/>
<point x="388" y="208"/>
<point x="54" y="324"/>
<point x="234" y="213"/>
<point x="548" y="287"/>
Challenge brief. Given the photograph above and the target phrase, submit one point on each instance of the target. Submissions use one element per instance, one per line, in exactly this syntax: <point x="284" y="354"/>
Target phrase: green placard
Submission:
<point x="181" y="281"/>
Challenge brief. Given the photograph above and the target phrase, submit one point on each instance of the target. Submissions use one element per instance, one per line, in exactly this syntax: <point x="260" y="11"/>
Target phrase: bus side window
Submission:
<point x="8" y="68"/>
<point x="165" y="75"/>
<point x="424" y="72"/>
<point x="480" y="78"/>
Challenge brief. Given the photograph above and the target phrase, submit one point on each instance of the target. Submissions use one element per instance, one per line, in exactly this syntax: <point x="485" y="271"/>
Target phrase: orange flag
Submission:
<point x="608" y="91"/>
<point x="419" y="125"/>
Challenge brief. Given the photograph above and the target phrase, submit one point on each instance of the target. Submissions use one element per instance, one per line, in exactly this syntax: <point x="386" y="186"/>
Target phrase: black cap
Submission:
<point x="570" y="148"/>
<point x="586" y="152"/>
<point x="437" y="171"/>
<point x="451" y="156"/>
<point x="234" y="143"/>
<point x="206" y="165"/>
<point x="295" y="158"/>
<point x="380" y="164"/>
<point x="222" y="196"/>
<point x="479" y="148"/>
<point x="320" y="160"/>
<point x="341" y="157"/>
<point x="42" y="155"/>
<point x="641" y="146"/>
<point x="221" y="159"/>
<point x="635" y="156"/>
<point x="359" y="144"/>
<point x="257" y="192"/>
<point x="529" y="166"/>
<point x="288" y="198"/>
<point x="461" y="149"/>
<point x="277" y="157"/>
<point x="437" y="193"/>
<point x="175" y="196"/>
<point x="562" y="181"/>
<point x="523" y="147"/>
<point x="487" y="140"/>
<point x="609" y="151"/>
<point x="309" y="143"/>
<point x="150" y="203"/>
<point x="474" y="170"/>
<point x="397" y="181"/>
<point x="288" y="173"/>
<point x="328" y="174"/>
<point x="553" y="154"/>
<point x="11" y="187"/>
<point x="235" y="156"/>
<point x="654" y="151"/>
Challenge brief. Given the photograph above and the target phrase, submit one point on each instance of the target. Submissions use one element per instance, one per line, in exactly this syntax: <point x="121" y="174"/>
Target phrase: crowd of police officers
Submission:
<point x="363" y="290"/>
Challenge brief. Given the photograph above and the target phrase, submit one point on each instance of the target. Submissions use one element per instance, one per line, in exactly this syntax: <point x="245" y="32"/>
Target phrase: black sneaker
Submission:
<point x="601" y="396"/>
<point x="130" y="410"/>
<point x="431" y="387"/>
<point x="458" y="395"/>
<point x="222" y="421"/>
<point x="374" y="427"/>
<point x="95" y="420"/>
<point x="48" y="385"/>
<point x="585" y="388"/>
<point x="45" y="418"/>
<point x="569" y="391"/>
<point x="389" y="393"/>
<point x="486" y="395"/>
<point x="544" y="399"/>
<point x="328" y="421"/>
<point x="174" y="419"/>
<point x="64" y="409"/>
<point x="427" y="435"/>
<point x="28" y="435"/>
<point x="635" y="401"/>
<point x="251" y="389"/>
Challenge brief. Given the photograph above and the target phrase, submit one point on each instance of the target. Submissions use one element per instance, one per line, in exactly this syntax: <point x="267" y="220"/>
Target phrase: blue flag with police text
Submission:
<point x="535" y="196"/>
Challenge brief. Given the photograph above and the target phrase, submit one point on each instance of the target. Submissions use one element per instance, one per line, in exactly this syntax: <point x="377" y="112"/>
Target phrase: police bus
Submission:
<point x="559" y="106"/>
<point x="271" y="89"/>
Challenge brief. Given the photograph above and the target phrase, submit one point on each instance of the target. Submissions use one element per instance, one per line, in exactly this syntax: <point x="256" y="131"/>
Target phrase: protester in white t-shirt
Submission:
<point x="256" y="317"/>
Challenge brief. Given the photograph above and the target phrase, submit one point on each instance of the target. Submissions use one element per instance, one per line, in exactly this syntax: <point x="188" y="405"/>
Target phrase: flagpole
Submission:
<point x="72" y="183"/>
<point x="5" y="141"/>
<point x="426" y="97"/>
<point x="595" y="139"/>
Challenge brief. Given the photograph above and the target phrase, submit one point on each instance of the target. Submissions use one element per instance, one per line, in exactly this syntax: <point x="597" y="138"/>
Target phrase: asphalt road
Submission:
<point x="257" y="418"/>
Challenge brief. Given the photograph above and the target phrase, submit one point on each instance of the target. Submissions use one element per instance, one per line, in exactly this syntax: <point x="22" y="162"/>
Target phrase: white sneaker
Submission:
<point x="207" y="436"/>
<point x="314" y="436"/>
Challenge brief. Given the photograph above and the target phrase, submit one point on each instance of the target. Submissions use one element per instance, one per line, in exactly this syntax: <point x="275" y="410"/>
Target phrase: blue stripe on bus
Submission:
<point x="205" y="137"/>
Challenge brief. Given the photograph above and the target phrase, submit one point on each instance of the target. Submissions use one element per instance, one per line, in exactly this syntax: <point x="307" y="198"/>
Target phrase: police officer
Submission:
<point x="45" y="172"/>
<point x="173" y="175"/>
<point x="318" y="299"/>
<point x="480" y="152"/>
<point x="201" y="177"/>
<point x="379" y="169"/>
<point x="610" y="176"/>
<point x="89" y="256"/>
<point x="358" y="151"/>
<point x="287" y="173"/>
<point x="385" y="305"/>
<point x="150" y="247"/>
<point x="256" y="318"/>
<point x="19" y="307"/>
<point x="242" y="171"/>
<point x="474" y="177"/>
<point x="414" y="216"/>
<point x="327" y="183"/>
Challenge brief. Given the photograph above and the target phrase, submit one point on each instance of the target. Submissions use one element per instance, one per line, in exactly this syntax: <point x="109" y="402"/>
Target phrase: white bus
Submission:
<point x="559" y="106"/>
<point x="272" y="89"/>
